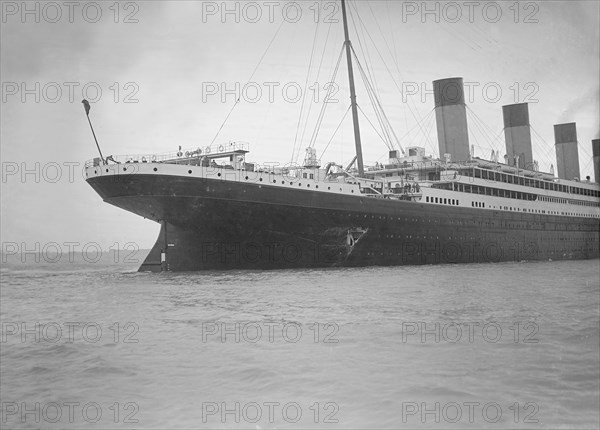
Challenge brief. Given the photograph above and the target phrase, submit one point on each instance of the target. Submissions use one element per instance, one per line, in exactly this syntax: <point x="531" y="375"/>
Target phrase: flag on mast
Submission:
<point x="86" y="105"/>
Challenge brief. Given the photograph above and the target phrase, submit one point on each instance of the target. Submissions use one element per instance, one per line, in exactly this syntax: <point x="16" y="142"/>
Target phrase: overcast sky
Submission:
<point x="162" y="66"/>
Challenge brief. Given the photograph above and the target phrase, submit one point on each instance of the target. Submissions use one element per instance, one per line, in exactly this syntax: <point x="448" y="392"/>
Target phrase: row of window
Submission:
<point x="545" y="212"/>
<point x="552" y="199"/>
<point x="496" y="192"/>
<point x="442" y="201"/>
<point x="571" y="202"/>
<point x="489" y="191"/>
<point x="583" y="203"/>
<point x="506" y="208"/>
<point x="495" y="176"/>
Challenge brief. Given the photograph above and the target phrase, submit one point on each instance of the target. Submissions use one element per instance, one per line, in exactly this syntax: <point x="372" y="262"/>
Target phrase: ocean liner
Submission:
<point x="218" y="211"/>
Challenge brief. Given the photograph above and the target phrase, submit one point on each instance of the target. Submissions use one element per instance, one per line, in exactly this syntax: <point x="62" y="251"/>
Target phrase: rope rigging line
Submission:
<point x="317" y="81"/>
<point x="549" y="149"/>
<point x="395" y="53"/>
<point x="249" y="80"/>
<point x="325" y="101"/>
<point x="371" y="89"/>
<point x="414" y="112"/>
<point x="490" y="131"/>
<point x="371" y="75"/>
<point x="479" y="145"/>
<point x="481" y="126"/>
<point x="425" y="119"/>
<point x="367" y="56"/>
<point x="429" y="126"/>
<point x="493" y="143"/>
<point x="427" y="123"/>
<point x="335" y="132"/>
<point x="378" y="108"/>
<point x="323" y="107"/>
<point x="374" y="128"/>
<point x="305" y="88"/>
<point x="372" y="98"/>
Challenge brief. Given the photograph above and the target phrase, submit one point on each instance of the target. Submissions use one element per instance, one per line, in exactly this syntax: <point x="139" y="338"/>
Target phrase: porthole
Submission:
<point x="260" y="179"/>
<point x="274" y="181"/>
<point x="190" y="172"/>
<point x="124" y="169"/>
<point x="155" y="169"/>
<point x="246" y="178"/>
<point x="106" y="170"/>
<point x="218" y="174"/>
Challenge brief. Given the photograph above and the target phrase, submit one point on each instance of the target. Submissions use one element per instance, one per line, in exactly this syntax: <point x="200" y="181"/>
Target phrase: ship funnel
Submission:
<point x="451" y="118"/>
<point x="596" y="155"/>
<point x="517" y="135"/>
<point x="567" y="155"/>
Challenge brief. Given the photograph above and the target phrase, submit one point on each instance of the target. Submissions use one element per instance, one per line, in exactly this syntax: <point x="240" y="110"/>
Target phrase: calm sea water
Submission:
<point x="511" y="345"/>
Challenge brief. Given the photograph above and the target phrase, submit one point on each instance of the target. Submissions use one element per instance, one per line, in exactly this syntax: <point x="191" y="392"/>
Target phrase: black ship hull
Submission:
<point x="210" y="224"/>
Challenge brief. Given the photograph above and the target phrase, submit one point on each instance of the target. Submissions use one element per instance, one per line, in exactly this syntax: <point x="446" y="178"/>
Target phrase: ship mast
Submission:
<point x="348" y="44"/>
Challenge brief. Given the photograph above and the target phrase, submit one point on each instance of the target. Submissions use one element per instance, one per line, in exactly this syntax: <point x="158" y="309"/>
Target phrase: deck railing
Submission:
<point x="177" y="157"/>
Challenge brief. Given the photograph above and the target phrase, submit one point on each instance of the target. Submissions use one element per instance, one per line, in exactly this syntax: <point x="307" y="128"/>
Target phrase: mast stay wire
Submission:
<point x="324" y="106"/>
<point x="414" y="112"/>
<point x="334" y="133"/>
<point x="384" y="122"/>
<point x="427" y="123"/>
<point x="374" y="128"/>
<point x="545" y="146"/>
<point x="374" y="105"/>
<point x="248" y="81"/>
<point x="481" y="127"/>
<point x="305" y="89"/>
<point x="366" y="55"/>
<point x="317" y="81"/>
<point x="372" y="88"/>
